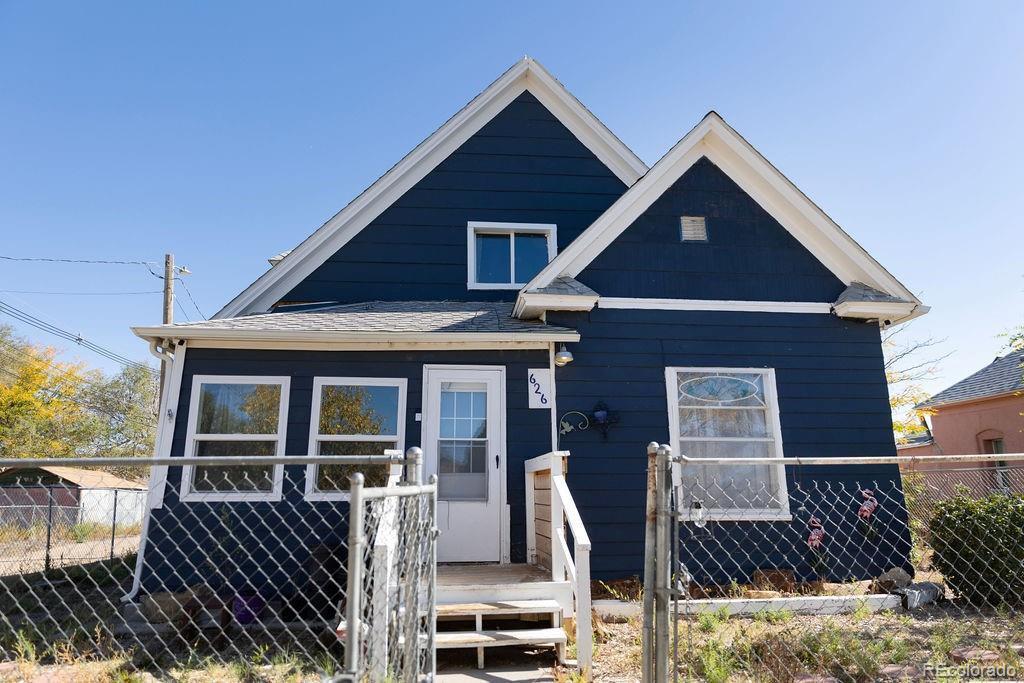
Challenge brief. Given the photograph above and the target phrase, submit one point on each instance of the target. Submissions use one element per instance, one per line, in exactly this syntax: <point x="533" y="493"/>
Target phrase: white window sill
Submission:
<point x="494" y="285"/>
<point x="225" y="497"/>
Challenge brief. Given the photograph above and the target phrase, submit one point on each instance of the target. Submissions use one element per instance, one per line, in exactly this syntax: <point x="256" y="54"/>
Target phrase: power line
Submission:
<point x="189" y="294"/>
<point x="75" y="260"/>
<point x="28" y="319"/>
<point x="36" y="291"/>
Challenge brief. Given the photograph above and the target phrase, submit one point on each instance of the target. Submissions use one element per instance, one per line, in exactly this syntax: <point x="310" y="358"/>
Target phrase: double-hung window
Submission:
<point x="508" y="255"/>
<point x="232" y="416"/>
<point x="354" y="416"/>
<point x="727" y="413"/>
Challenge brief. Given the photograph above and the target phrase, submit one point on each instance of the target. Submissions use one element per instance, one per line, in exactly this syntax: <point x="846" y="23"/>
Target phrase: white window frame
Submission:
<point x="311" y="493"/>
<point x="192" y="438"/>
<point x="475" y="228"/>
<point x="780" y="514"/>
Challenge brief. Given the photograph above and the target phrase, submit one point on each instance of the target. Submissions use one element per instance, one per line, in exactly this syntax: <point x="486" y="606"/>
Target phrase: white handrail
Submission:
<point x="565" y="565"/>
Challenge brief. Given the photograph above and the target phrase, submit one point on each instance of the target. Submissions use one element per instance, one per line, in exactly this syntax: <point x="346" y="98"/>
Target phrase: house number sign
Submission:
<point x="540" y="388"/>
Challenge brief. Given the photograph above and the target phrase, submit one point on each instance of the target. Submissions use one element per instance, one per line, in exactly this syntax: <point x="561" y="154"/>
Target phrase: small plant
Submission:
<point x="774" y="616"/>
<point x="716" y="663"/>
<point x="25" y="648"/>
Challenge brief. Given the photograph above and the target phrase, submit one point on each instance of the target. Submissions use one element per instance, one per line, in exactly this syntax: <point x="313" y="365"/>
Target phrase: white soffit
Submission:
<point x="526" y="75"/>
<point x="715" y="139"/>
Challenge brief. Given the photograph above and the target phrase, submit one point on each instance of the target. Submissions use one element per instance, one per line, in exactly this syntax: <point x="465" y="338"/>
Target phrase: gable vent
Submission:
<point x="694" y="229"/>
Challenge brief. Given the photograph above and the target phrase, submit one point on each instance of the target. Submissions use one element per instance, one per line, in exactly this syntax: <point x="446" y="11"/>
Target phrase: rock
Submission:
<point x="761" y="595"/>
<point x="899" y="672"/>
<point x="814" y="678"/>
<point x="782" y="580"/>
<point x="890" y="581"/>
<point x="974" y="654"/>
<point x="920" y="594"/>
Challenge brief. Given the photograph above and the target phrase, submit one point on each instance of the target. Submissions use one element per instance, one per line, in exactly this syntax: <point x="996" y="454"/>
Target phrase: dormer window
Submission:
<point x="693" y="229"/>
<point x="507" y="255"/>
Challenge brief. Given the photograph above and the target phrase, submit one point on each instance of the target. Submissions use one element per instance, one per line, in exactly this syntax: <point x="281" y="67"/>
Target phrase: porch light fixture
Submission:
<point x="563" y="357"/>
<point x="602" y="418"/>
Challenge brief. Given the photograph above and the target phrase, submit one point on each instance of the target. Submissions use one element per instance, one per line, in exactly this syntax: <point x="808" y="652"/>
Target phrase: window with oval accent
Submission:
<point x="721" y="414"/>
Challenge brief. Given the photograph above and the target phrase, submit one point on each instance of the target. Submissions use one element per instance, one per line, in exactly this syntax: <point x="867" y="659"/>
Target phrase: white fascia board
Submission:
<point x="530" y="305"/>
<point x="894" y="311"/>
<point x="525" y="75"/>
<point x="715" y="305"/>
<point x="723" y="146"/>
<point x="306" y="338"/>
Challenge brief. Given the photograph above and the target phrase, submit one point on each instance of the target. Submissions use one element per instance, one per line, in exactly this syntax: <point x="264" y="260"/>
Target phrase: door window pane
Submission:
<point x="531" y="255"/>
<point x="462" y="446"/>
<point x="493" y="258"/>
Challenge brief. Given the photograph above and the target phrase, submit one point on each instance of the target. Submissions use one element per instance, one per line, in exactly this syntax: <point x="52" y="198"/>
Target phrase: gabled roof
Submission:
<point x="1003" y="376"/>
<point x="375" y="321"/>
<point x="715" y="139"/>
<point x="526" y="75"/>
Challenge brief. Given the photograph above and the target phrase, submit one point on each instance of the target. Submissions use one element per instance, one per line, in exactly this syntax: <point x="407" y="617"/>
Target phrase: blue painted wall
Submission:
<point x="833" y="402"/>
<point x="748" y="255"/>
<point x="183" y="535"/>
<point x="524" y="166"/>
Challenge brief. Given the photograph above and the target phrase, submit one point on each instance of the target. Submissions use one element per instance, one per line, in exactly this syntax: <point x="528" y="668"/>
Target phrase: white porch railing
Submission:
<point x="547" y="494"/>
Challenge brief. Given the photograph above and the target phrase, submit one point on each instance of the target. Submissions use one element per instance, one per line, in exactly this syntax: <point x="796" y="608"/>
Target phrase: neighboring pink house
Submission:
<point x="983" y="413"/>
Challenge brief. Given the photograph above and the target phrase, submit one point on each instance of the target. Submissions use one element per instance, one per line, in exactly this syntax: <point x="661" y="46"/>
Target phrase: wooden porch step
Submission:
<point x="495" y="608"/>
<point x="478" y="639"/>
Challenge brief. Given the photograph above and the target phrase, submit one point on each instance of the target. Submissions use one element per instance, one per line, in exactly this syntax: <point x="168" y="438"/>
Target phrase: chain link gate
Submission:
<point x="850" y="569"/>
<point x="233" y="575"/>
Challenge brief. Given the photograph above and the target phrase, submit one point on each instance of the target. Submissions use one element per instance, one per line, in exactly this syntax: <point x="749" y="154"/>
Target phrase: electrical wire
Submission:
<point x="28" y="319"/>
<point x="75" y="260"/>
<point x="189" y="294"/>
<point x="37" y="291"/>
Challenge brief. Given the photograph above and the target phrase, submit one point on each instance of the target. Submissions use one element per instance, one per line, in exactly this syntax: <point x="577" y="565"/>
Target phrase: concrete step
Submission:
<point x="479" y="639"/>
<point x="499" y="607"/>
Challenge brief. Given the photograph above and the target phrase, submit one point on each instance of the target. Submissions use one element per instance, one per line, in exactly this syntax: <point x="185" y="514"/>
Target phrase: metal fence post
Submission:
<point x="113" y="526"/>
<point x="414" y="465"/>
<point x="647" y="635"/>
<point x="432" y="614"/>
<point x="663" y="569"/>
<point x="355" y="566"/>
<point x="49" y="526"/>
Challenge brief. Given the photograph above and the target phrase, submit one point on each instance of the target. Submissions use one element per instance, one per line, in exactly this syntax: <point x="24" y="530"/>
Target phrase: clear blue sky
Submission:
<point x="227" y="132"/>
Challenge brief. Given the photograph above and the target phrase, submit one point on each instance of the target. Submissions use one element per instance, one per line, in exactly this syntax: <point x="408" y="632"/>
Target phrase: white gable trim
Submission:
<point x="525" y="75"/>
<point x="715" y="139"/>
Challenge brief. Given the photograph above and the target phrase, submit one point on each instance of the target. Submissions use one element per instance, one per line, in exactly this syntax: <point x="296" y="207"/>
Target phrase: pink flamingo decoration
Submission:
<point x="868" y="507"/>
<point x="816" y="537"/>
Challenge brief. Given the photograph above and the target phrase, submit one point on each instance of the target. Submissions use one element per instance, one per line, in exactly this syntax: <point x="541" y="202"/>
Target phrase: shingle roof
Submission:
<point x="389" y="317"/>
<point x="1002" y="376"/>
<point x="565" y="285"/>
<point x="858" y="291"/>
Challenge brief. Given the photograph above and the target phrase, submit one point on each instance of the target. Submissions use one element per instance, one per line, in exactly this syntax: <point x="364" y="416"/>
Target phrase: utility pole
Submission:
<point x="168" y="311"/>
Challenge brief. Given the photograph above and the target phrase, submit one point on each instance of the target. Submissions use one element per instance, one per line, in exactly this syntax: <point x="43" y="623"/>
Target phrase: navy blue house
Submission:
<point x="705" y="302"/>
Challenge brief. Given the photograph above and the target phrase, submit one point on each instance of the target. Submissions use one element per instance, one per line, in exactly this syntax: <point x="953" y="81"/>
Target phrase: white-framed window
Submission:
<point x="508" y="255"/>
<point x="729" y="413"/>
<point x="235" y="416"/>
<point x="354" y="416"/>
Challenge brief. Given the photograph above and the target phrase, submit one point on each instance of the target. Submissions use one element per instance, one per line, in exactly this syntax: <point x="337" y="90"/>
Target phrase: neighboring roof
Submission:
<point x="87" y="479"/>
<point x="382" y="321"/>
<point x="715" y="139"/>
<point x="526" y="75"/>
<point x="916" y="441"/>
<point x="1002" y="376"/>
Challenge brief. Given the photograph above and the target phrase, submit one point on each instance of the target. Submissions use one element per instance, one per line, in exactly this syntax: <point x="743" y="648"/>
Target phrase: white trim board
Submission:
<point x="714" y="305"/>
<point x="526" y="75"/>
<point x="715" y="139"/>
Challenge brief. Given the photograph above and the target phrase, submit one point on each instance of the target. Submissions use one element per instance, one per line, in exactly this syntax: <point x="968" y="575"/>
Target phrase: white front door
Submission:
<point x="463" y="443"/>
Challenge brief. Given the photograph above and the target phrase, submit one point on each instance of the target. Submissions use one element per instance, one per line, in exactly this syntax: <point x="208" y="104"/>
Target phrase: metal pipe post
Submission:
<point x="414" y="465"/>
<point x="647" y="635"/>
<point x="113" y="526"/>
<point x="663" y="569"/>
<point x="49" y="526"/>
<point x="355" y="572"/>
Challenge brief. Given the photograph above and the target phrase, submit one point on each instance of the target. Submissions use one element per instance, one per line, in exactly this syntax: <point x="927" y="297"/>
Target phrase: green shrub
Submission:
<point x="979" y="547"/>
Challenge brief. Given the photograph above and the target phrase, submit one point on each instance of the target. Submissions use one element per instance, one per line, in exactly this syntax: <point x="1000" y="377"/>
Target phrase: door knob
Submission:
<point x="497" y="461"/>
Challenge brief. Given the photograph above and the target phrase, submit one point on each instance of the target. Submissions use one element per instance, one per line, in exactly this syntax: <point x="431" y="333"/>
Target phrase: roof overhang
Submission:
<point x="715" y="139"/>
<point x="531" y="305"/>
<point x="209" y="337"/>
<point x="885" y="312"/>
<point x="526" y="75"/>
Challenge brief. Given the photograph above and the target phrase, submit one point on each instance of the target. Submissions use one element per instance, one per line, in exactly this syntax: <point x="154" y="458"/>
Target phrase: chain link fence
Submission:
<point x="859" y="569"/>
<point x="238" y="574"/>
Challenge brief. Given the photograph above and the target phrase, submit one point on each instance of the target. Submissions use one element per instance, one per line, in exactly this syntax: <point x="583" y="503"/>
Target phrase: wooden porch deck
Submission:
<point x="490" y="574"/>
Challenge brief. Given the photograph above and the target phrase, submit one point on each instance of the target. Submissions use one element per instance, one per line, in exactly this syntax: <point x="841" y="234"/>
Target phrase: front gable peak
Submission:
<point x="525" y="76"/>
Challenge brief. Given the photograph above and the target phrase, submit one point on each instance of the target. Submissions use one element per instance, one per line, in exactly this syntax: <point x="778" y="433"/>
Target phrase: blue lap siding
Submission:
<point x="748" y="256"/>
<point x="833" y="402"/>
<point x="272" y="541"/>
<point x="524" y="166"/>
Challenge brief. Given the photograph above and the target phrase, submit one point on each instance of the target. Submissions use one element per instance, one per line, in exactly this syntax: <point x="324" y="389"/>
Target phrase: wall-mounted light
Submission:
<point x="563" y="357"/>
<point x="602" y="418"/>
